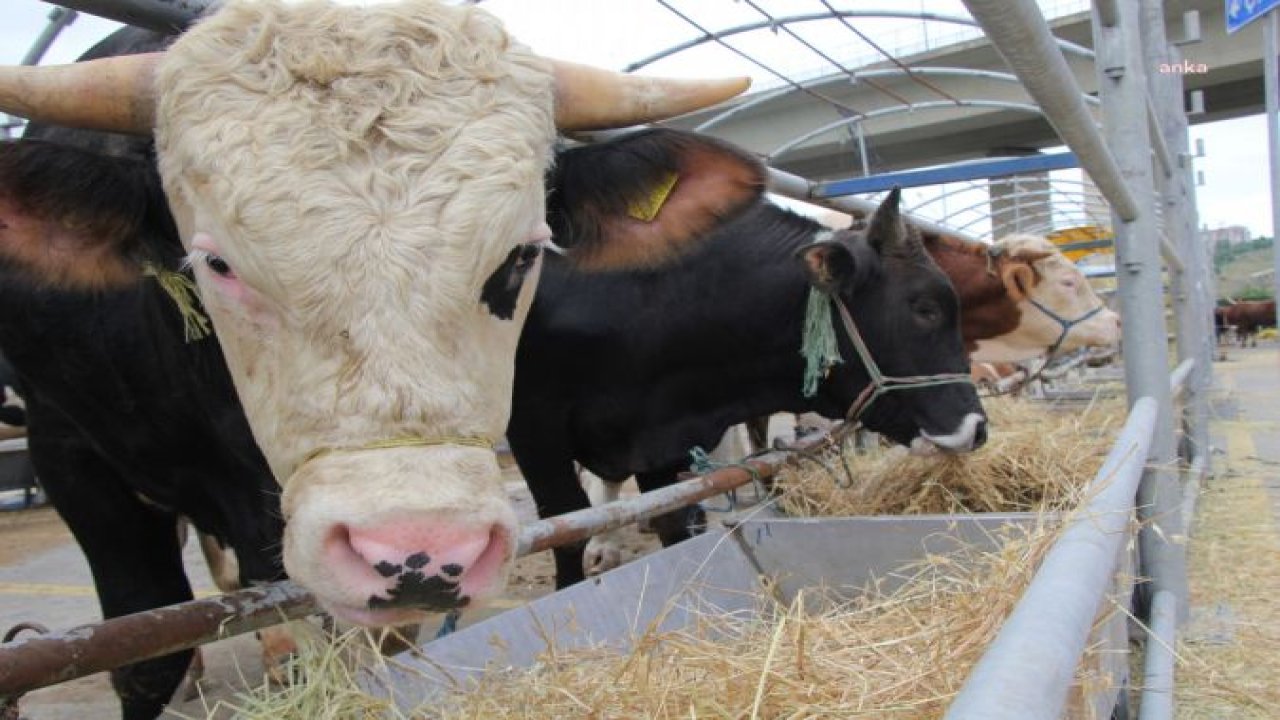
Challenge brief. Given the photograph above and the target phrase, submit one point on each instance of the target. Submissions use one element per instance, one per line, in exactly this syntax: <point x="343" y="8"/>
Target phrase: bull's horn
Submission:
<point x="115" y="94"/>
<point x="589" y="98"/>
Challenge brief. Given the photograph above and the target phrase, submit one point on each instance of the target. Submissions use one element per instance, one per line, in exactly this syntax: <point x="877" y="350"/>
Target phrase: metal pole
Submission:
<point x="1158" y="665"/>
<point x="1122" y="87"/>
<point x="1270" y="29"/>
<point x="166" y="16"/>
<point x="1027" y="670"/>
<point x="1196" y="338"/>
<point x="1019" y="32"/>
<point x="37" y="661"/>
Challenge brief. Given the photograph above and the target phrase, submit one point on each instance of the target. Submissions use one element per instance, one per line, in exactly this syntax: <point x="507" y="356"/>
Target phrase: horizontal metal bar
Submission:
<point x="1087" y="245"/>
<point x="1020" y="34"/>
<point x="1158" y="664"/>
<point x="798" y="188"/>
<point x="36" y="661"/>
<point x="1027" y="669"/>
<point x="166" y="16"/>
<point x="1178" y="378"/>
<point x="947" y="174"/>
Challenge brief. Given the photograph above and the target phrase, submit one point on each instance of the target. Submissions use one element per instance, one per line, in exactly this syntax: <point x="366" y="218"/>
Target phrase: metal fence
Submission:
<point x="1132" y="144"/>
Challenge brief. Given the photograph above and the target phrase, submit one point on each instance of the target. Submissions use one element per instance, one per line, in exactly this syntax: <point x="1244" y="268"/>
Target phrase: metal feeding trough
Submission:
<point x="723" y="571"/>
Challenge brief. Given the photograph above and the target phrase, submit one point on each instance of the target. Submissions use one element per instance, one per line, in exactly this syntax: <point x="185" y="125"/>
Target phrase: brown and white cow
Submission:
<point x="1020" y="298"/>
<point x="349" y="182"/>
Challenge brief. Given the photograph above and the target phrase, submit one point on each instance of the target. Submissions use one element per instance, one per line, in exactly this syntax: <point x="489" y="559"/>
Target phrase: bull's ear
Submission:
<point x="1019" y="277"/>
<point x="647" y="198"/>
<point x="829" y="265"/>
<point x="71" y="218"/>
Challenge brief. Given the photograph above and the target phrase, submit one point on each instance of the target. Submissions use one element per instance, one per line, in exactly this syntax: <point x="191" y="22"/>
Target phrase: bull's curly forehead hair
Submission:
<point x="408" y="126"/>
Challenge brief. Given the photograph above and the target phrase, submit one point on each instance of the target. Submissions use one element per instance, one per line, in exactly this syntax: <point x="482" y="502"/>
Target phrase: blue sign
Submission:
<point x="1243" y="12"/>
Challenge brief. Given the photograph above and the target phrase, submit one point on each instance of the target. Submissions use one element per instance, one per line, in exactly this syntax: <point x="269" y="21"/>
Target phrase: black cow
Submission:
<point x="131" y="424"/>
<point x="625" y="371"/>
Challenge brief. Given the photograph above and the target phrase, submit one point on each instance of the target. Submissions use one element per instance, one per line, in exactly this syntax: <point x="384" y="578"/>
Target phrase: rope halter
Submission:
<point x="1065" y="324"/>
<point x="880" y="383"/>
<point x="403" y="441"/>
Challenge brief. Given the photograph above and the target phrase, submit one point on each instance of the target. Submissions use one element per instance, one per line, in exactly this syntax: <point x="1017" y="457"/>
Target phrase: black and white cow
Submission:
<point x="625" y="371"/>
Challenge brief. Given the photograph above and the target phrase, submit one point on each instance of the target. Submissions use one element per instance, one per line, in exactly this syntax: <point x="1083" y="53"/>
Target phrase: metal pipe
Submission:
<point x="1020" y="34"/>
<point x="1027" y="670"/>
<point x="59" y="19"/>
<point x="1170" y="255"/>
<point x="1122" y="85"/>
<point x="1270" y="50"/>
<point x="798" y="188"/>
<point x="1158" y="665"/>
<point x="166" y="16"/>
<point x="582" y="524"/>
<point x="1157" y="142"/>
<point x="1178" y="378"/>
<point x="36" y="661"/>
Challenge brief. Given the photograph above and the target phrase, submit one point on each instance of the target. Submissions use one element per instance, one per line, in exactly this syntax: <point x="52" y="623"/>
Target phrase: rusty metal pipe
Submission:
<point x="34" y="662"/>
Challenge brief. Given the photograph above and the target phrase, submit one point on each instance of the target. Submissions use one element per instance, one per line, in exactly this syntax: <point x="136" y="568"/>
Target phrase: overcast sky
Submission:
<point x="616" y="32"/>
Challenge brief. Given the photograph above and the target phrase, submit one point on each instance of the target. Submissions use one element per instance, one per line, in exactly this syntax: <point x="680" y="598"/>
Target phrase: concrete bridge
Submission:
<point x="963" y="116"/>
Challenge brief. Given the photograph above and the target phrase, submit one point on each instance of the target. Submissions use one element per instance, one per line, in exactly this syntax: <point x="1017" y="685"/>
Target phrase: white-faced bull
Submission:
<point x="357" y="191"/>
<point x="624" y="371"/>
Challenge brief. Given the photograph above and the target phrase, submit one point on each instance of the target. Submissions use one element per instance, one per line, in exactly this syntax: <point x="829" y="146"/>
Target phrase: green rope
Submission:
<point x="701" y="463"/>
<point x="818" y="345"/>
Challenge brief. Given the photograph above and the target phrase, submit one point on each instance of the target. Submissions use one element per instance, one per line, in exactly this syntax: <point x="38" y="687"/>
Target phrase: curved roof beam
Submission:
<point x="893" y="110"/>
<point x="707" y="37"/>
<point x="980" y="185"/>
<point x="941" y="71"/>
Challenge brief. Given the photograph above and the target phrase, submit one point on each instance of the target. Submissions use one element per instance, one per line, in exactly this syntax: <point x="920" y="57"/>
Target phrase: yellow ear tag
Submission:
<point x="647" y="208"/>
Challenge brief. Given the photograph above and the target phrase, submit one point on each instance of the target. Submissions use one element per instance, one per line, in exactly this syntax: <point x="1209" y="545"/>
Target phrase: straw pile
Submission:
<point x="1035" y="459"/>
<point x="899" y="653"/>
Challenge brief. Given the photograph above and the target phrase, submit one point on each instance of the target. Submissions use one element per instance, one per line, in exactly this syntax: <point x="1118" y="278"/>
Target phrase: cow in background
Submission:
<point x="624" y="371"/>
<point x="358" y="193"/>
<point x="1248" y="317"/>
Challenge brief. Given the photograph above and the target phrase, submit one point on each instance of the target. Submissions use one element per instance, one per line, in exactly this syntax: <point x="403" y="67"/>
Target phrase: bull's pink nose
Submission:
<point x="429" y="564"/>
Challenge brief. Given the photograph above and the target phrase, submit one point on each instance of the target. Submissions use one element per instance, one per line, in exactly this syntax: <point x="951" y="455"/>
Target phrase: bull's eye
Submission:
<point x="927" y="313"/>
<point x="218" y="265"/>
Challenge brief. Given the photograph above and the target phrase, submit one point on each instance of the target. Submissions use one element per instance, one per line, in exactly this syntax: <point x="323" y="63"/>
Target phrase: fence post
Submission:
<point x="1122" y="86"/>
<point x="1194" y="314"/>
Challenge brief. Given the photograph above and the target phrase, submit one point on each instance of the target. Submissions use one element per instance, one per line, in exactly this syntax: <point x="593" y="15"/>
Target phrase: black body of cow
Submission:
<point x="624" y="372"/>
<point x="130" y="424"/>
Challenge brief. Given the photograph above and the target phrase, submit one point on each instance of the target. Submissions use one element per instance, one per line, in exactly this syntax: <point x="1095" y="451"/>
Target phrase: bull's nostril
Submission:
<point x="980" y="435"/>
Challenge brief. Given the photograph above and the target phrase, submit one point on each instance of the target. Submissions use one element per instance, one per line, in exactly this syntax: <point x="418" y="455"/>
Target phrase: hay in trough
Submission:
<point x="1035" y="459"/>
<point x="901" y="649"/>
